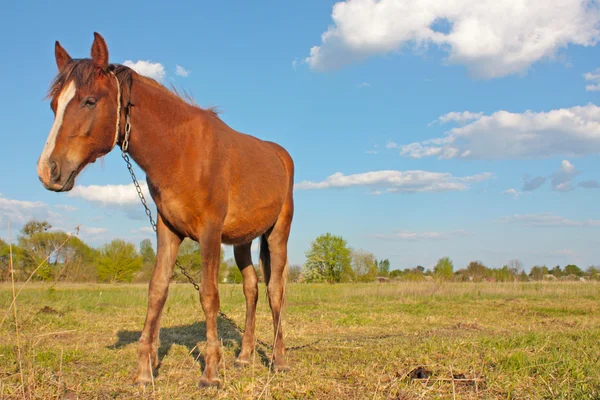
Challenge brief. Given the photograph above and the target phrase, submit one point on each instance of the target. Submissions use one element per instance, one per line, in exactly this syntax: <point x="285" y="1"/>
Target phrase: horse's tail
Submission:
<point x="265" y="266"/>
<point x="265" y="259"/>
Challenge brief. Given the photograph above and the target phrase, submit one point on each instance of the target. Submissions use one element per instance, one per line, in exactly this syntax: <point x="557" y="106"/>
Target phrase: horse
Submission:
<point x="209" y="182"/>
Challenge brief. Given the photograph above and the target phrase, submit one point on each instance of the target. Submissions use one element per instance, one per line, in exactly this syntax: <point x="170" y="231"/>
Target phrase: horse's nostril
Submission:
<point x="54" y="171"/>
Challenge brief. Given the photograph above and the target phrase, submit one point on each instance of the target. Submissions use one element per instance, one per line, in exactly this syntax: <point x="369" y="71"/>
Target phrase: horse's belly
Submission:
<point x="243" y="227"/>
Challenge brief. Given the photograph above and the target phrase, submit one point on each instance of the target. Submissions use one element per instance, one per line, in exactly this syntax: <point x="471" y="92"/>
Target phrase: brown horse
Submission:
<point x="209" y="182"/>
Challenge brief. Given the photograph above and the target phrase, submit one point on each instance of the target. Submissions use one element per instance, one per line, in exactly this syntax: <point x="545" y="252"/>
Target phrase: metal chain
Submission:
<point x="124" y="148"/>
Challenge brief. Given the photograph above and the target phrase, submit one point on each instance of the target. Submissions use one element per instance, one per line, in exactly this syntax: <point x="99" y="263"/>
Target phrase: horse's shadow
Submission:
<point x="189" y="336"/>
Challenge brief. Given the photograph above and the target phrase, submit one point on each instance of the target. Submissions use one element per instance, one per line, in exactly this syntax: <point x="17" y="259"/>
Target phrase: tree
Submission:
<point x="294" y="272"/>
<point x="147" y="252"/>
<point x="523" y="277"/>
<point x="37" y="243"/>
<point x="34" y="227"/>
<point x="234" y="275"/>
<point x="443" y="269"/>
<point x="396" y="273"/>
<point x="233" y="272"/>
<point x="515" y="266"/>
<point x="503" y="274"/>
<point x="477" y="270"/>
<point x="4" y="261"/>
<point x="364" y="265"/>
<point x="593" y="272"/>
<point x="189" y="257"/>
<point x="537" y="272"/>
<point x="328" y="259"/>
<point x="556" y="271"/>
<point x="383" y="267"/>
<point x="78" y="261"/>
<point x="572" y="269"/>
<point x="148" y="261"/>
<point x="118" y="262"/>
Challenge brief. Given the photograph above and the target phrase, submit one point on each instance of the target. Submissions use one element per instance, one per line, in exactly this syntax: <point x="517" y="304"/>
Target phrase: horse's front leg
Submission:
<point x="168" y="246"/>
<point x="210" y="246"/>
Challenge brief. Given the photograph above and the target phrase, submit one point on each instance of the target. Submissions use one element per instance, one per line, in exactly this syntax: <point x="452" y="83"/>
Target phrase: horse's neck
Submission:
<point x="157" y="128"/>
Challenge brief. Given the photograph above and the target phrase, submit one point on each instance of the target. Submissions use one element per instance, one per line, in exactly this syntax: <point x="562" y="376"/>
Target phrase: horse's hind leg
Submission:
<point x="168" y="246"/>
<point x="243" y="259"/>
<point x="275" y="271"/>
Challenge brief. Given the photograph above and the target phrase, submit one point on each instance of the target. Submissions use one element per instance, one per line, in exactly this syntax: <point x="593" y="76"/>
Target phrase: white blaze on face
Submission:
<point x="64" y="99"/>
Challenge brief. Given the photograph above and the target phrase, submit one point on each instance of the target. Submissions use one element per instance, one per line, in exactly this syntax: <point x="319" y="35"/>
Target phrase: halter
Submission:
<point x="125" y="144"/>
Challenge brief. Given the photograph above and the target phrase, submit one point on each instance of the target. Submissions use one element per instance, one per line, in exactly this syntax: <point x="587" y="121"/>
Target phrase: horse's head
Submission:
<point x="84" y="101"/>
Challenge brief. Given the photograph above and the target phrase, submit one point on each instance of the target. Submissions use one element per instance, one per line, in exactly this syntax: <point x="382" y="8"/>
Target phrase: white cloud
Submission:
<point x="459" y="117"/>
<point x="179" y="70"/>
<point x="571" y="131"/>
<point x="363" y="85"/>
<point x="512" y="192"/>
<point x="391" y="145"/>
<point x="414" y="236"/>
<point x="18" y="212"/>
<point x="65" y="207"/>
<point x="121" y="198"/>
<point x="397" y="181"/>
<point x="147" y="68"/>
<point x="491" y="38"/>
<point x="547" y="220"/>
<point x="111" y="195"/>
<point x="91" y="231"/>
<point x="144" y="229"/>
<point x="562" y="180"/>
<point x="594" y="79"/>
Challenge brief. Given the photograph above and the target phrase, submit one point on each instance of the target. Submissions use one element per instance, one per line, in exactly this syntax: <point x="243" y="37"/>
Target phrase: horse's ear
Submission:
<point x="100" y="52"/>
<point x="62" y="57"/>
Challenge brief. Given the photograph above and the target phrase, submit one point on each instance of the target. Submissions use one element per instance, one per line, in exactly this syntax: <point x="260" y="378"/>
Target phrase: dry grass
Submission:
<point x="522" y="340"/>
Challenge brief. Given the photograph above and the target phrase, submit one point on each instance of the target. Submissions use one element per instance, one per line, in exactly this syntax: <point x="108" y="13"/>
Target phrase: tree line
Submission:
<point x="329" y="259"/>
<point x="72" y="260"/>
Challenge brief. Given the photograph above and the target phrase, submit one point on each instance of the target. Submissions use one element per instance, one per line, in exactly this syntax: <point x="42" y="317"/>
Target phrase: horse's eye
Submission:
<point x="90" y="102"/>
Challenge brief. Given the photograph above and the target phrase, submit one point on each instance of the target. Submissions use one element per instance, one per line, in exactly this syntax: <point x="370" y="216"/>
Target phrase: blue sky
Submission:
<point x="419" y="130"/>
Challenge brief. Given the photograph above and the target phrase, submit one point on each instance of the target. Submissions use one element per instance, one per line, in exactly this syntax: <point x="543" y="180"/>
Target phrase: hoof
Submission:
<point x="142" y="380"/>
<point x="141" y="386"/>
<point x="284" y="367"/>
<point x="241" y="363"/>
<point x="205" y="383"/>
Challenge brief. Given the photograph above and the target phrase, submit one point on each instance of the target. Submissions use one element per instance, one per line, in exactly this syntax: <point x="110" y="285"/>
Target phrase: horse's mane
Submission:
<point x="82" y="71"/>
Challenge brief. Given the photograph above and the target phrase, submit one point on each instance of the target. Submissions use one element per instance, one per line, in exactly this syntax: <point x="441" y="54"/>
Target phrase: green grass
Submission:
<point x="521" y="340"/>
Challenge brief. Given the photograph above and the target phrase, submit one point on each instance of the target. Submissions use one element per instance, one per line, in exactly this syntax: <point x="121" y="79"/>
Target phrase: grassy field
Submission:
<point x="377" y="341"/>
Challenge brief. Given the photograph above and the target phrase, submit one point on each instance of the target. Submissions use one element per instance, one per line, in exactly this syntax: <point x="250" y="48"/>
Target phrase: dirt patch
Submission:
<point x="420" y="373"/>
<point x="468" y="326"/>
<point x="50" y="311"/>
